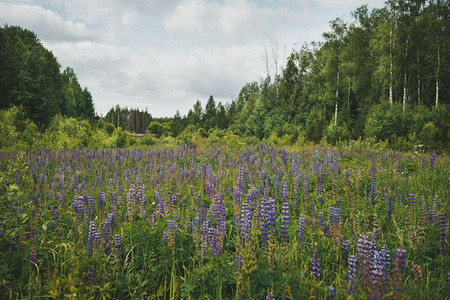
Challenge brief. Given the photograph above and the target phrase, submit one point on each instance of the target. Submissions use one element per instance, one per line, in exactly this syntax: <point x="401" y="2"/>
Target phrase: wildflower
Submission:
<point x="285" y="216"/>
<point x="373" y="184"/>
<point x="91" y="238"/>
<point x="91" y="273"/>
<point x="443" y="233"/>
<point x="400" y="260"/>
<point x="389" y="207"/>
<point x="301" y="229"/>
<point x="331" y="292"/>
<point x="351" y="274"/>
<point x="315" y="265"/>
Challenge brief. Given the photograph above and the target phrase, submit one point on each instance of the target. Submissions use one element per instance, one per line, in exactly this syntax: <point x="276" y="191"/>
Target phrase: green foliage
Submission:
<point x="122" y="139"/>
<point x="315" y="126"/>
<point x="66" y="133"/>
<point x="336" y="133"/>
<point x="16" y="131"/>
<point x="155" y="128"/>
<point x="30" y="76"/>
<point x="148" y="141"/>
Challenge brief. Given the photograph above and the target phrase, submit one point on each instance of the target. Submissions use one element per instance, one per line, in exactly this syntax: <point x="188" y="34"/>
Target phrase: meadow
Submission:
<point x="258" y="222"/>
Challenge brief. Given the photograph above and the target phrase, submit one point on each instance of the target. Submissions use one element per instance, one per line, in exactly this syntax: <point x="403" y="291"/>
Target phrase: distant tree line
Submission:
<point x="133" y="120"/>
<point x="30" y="77"/>
<point x="385" y="75"/>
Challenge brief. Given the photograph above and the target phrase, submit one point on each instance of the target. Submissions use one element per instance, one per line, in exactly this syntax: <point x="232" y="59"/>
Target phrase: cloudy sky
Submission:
<point x="165" y="54"/>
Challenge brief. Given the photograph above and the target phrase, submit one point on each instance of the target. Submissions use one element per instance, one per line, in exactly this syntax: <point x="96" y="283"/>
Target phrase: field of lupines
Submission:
<point x="254" y="223"/>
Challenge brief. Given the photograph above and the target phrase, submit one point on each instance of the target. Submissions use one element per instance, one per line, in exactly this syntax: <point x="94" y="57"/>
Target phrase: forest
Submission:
<point x="383" y="77"/>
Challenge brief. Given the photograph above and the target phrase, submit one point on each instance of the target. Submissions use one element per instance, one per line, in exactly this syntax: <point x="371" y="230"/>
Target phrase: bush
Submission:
<point x="122" y="139"/>
<point x="16" y="131"/>
<point x="147" y="141"/>
<point x="315" y="126"/>
<point x="336" y="133"/>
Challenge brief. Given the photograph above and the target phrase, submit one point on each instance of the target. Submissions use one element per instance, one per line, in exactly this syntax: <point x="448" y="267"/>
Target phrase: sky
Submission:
<point x="164" y="55"/>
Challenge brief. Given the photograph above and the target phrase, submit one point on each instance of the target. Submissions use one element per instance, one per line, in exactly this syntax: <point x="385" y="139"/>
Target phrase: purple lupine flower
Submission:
<point x="61" y="199"/>
<point x="423" y="205"/>
<point x="390" y="207"/>
<point x="335" y="214"/>
<point x="285" y="217"/>
<point x="351" y="274"/>
<point x="306" y="187"/>
<point x="213" y="239"/>
<point x="345" y="248"/>
<point x="164" y="237"/>
<point x="237" y="262"/>
<point x="433" y="159"/>
<point x="90" y="211"/>
<point x="172" y="226"/>
<point x="52" y="225"/>
<point x="241" y="180"/>
<point x="315" y="265"/>
<point x="91" y="273"/>
<point x="347" y="178"/>
<point x="301" y="229"/>
<point x="204" y="238"/>
<point x="399" y="260"/>
<point x="131" y="203"/>
<point x="411" y="199"/>
<point x="54" y="212"/>
<point x="264" y="219"/>
<point x="331" y="292"/>
<point x="219" y="207"/>
<point x="78" y="209"/>
<point x="108" y="246"/>
<point x="101" y="200"/>
<point x="16" y="177"/>
<point x="97" y="239"/>
<point x="91" y="238"/>
<point x="364" y="256"/>
<point x="33" y="259"/>
<point x="322" y="224"/>
<point x="373" y="183"/>
<point x="277" y="188"/>
<point x="295" y="191"/>
<point x="117" y="243"/>
<point x="50" y="192"/>
<point x="443" y="233"/>
<point x="432" y="217"/>
<point x="399" y="195"/>
<point x="106" y="229"/>
<point x="246" y="220"/>
<point x="270" y="296"/>
<point x="385" y="259"/>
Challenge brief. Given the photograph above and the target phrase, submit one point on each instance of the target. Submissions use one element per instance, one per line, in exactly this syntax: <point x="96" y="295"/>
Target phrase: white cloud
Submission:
<point x="236" y="21"/>
<point x="47" y="24"/>
<point x="348" y="4"/>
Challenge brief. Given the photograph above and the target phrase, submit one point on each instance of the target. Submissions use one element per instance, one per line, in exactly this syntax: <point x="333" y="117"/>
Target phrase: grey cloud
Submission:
<point x="47" y="24"/>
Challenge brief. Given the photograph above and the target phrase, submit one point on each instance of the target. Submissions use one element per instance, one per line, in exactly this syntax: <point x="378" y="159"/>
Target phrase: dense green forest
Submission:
<point x="385" y="76"/>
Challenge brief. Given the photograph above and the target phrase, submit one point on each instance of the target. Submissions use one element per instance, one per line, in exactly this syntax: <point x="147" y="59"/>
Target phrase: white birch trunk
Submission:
<point x="418" y="80"/>
<point x="349" y="91"/>
<point x="405" y="90"/>
<point x="437" y="76"/>
<point x="391" y="100"/>
<point x="337" y="96"/>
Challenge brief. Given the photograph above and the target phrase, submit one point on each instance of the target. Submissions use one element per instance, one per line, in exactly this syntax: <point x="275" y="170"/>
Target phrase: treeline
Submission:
<point x="383" y="76"/>
<point x="133" y="120"/>
<point x="30" y="77"/>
